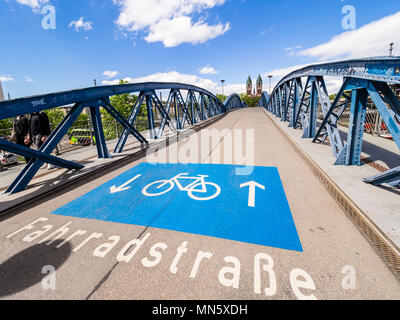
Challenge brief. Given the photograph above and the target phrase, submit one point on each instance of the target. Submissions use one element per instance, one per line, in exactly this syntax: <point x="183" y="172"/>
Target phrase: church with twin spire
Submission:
<point x="257" y="91"/>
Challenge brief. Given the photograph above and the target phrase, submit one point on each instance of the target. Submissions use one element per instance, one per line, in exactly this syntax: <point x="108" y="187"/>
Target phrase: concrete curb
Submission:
<point x="382" y="245"/>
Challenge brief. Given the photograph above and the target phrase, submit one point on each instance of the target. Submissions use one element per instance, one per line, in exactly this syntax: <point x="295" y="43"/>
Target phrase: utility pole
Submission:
<point x="391" y="50"/>
<point x="270" y="77"/>
<point x="222" y="81"/>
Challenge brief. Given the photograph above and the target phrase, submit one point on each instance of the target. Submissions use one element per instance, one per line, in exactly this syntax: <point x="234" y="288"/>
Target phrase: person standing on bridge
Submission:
<point x="22" y="134"/>
<point x="40" y="129"/>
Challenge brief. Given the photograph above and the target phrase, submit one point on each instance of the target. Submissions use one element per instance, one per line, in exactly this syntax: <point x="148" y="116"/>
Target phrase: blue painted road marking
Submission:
<point x="203" y="199"/>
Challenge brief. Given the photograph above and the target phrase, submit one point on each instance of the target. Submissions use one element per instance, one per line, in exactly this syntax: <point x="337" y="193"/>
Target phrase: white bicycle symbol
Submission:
<point x="199" y="186"/>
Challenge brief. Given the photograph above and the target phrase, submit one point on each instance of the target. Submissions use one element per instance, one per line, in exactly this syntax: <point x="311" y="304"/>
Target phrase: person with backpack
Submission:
<point x="22" y="133"/>
<point x="40" y="129"/>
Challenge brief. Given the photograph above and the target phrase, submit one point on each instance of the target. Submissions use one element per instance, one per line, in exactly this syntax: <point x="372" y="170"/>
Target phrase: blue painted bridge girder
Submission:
<point x="368" y="77"/>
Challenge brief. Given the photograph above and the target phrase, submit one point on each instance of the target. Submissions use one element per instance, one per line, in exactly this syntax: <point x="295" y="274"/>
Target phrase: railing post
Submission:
<point x="351" y="153"/>
<point x="150" y="115"/>
<point x="99" y="133"/>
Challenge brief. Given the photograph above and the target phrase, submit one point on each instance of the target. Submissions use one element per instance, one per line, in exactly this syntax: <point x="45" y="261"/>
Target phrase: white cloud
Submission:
<point x="208" y="70"/>
<point x="34" y="4"/>
<point x="333" y="84"/>
<point x="81" y="24"/>
<point x="174" y="76"/>
<point x="173" y="32"/>
<point x="169" y="21"/>
<point x="110" y="74"/>
<point x="6" y="78"/>
<point x="370" y="40"/>
<point x="28" y="79"/>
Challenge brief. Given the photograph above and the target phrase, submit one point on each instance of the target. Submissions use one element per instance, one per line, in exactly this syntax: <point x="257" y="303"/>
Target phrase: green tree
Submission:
<point x="123" y="103"/>
<point x="221" y="97"/>
<point x="55" y="116"/>
<point x="250" y="101"/>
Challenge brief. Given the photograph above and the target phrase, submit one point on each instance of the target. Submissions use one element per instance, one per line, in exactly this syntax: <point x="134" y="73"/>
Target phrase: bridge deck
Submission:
<point x="329" y="241"/>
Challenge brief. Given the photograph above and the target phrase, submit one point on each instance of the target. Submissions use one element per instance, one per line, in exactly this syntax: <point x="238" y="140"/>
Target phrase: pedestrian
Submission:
<point x="22" y="132"/>
<point x="40" y="130"/>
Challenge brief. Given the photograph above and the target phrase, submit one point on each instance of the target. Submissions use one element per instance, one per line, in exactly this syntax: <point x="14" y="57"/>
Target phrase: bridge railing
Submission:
<point x="302" y="95"/>
<point x="186" y="105"/>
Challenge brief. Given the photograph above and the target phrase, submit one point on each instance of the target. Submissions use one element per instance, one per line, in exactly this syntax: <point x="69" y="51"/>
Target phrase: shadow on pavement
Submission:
<point x="24" y="269"/>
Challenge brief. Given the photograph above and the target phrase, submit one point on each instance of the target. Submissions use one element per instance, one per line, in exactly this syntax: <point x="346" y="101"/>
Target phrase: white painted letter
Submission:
<point x="156" y="254"/>
<point x="271" y="290"/>
<point x="200" y="256"/>
<point x="181" y="250"/>
<point x="297" y="284"/>
<point x="27" y="227"/>
<point x="102" y="250"/>
<point x="123" y="256"/>
<point x="235" y="271"/>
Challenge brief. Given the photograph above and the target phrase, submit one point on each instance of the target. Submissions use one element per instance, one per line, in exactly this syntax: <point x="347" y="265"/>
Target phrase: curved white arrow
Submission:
<point x="252" y="191"/>
<point x="115" y="189"/>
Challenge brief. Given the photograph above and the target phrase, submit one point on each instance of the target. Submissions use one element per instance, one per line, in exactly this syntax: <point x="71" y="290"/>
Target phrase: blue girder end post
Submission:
<point x="351" y="153"/>
<point x="150" y="115"/>
<point x="101" y="145"/>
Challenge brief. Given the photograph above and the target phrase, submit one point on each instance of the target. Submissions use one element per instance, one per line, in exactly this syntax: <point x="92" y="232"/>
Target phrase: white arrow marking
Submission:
<point x="124" y="187"/>
<point x="252" y="191"/>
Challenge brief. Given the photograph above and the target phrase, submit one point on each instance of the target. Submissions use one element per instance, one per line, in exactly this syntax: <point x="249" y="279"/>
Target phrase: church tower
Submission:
<point x="249" y="86"/>
<point x="259" y="86"/>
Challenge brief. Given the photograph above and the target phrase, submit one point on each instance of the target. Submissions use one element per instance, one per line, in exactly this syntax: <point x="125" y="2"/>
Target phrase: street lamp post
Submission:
<point x="391" y="49"/>
<point x="222" y="82"/>
<point x="270" y="77"/>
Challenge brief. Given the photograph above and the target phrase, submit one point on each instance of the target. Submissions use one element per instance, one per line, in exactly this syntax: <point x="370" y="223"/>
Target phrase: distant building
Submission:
<point x="259" y="86"/>
<point x="249" y="86"/>
<point x="257" y="91"/>
<point x="1" y="93"/>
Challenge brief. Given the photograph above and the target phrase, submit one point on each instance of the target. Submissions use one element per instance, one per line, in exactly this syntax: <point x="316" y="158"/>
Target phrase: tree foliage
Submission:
<point x="221" y="97"/>
<point x="249" y="100"/>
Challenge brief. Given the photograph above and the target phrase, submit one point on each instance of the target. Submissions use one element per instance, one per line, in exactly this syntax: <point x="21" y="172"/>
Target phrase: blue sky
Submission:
<point x="196" y="41"/>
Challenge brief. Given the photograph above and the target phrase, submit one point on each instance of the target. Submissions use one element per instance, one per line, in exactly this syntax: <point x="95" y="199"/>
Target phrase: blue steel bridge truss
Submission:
<point x="297" y="97"/>
<point x="188" y="104"/>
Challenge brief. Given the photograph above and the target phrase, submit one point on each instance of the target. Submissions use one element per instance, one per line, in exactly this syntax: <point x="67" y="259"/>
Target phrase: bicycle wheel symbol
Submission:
<point x="196" y="194"/>
<point x="198" y="190"/>
<point x="158" y="188"/>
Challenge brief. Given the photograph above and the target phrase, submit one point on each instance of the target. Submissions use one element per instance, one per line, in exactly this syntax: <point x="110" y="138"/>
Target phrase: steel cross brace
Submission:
<point x="132" y="118"/>
<point x="391" y="177"/>
<point x="296" y="98"/>
<point x="287" y="91"/>
<point x="166" y="119"/>
<point x="184" y="107"/>
<point x="279" y="105"/>
<point x="331" y="119"/>
<point x="330" y="131"/>
<point x="164" y="114"/>
<point x="34" y="154"/>
<point x="125" y="123"/>
<point x="303" y="105"/>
